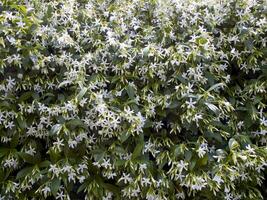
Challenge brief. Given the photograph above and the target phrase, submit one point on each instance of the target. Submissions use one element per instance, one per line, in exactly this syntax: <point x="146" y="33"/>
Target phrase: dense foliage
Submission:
<point x="121" y="99"/>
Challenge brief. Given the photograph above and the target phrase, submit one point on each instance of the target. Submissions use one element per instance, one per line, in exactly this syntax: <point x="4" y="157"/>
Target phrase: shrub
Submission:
<point x="133" y="99"/>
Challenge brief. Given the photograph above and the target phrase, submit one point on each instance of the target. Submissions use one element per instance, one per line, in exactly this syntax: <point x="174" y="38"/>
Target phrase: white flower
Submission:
<point x="190" y="103"/>
<point x="126" y="178"/>
<point x="128" y="113"/>
<point x="101" y="107"/>
<point x="46" y="190"/>
<point x="96" y="163"/>
<point x="158" y="125"/>
<point x="60" y="195"/>
<point x="11" y="163"/>
<point x="235" y="53"/>
<point x="10" y="125"/>
<point x="202" y="150"/>
<point x="142" y="167"/>
<point x="140" y="122"/>
<point x="106" y="163"/>
<point x="111" y="175"/>
<point x="20" y="24"/>
<point x="71" y="176"/>
<point x="81" y="168"/>
<point x="30" y="151"/>
<point x="2" y="117"/>
<point x="118" y="93"/>
<point x="152" y="197"/>
<point x="240" y="124"/>
<point x="197" y="117"/>
<point x="145" y="182"/>
<point x="218" y="179"/>
<point x="182" y="165"/>
<point x="193" y="38"/>
<point x="81" y="179"/>
<point x="83" y="102"/>
<point x="243" y="176"/>
<point x="179" y="176"/>
<point x="9" y="15"/>
<point x="52" y="168"/>
<point x="228" y="196"/>
<point x="263" y="121"/>
<point x="67" y="168"/>
<point x="261" y="167"/>
<point x="180" y="195"/>
<point x="250" y="149"/>
<point x="135" y="192"/>
<point x="199" y="183"/>
<point x="10" y="82"/>
<point x="108" y="197"/>
<point x="31" y="131"/>
<point x="72" y="143"/>
<point x="58" y="143"/>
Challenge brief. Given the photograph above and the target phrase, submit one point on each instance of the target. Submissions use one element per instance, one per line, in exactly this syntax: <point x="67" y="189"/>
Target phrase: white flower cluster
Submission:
<point x="133" y="99"/>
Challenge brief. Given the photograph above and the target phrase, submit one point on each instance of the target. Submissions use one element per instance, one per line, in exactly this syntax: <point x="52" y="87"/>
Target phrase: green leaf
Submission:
<point x="15" y="140"/>
<point x="234" y="158"/>
<point x="28" y="158"/>
<point x="174" y="104"/>
<point x="81" y="93"/>
<point x="53" y="155"/>
<point x="179" y="150"/>
<point x="124" y="136"/>
<point x="55" y="184"/>
<point x="203" y="161"/>
<point x="217" y="85"/>
<point x="64" y="83"/>
<point x="5" y="104"/>
<point x="188" y="155"/>
<point x="4" y="152"/>
<point x="45" y="163"/>
<point x="233" y="144"/>
<point x="25" y="96"/>
<point x="220" y="152"/>
<point x="212" y="107"/>
<point x="214" y="135"/>
<point x="148" y="124"/>
<point x="192" y="163"/>
<point x="112" y="188"/>
<point x="130" y="92"/>
<point x="119" y="163"/>
<point x="21" y="122"/>
<point x="24" y="172"/>
<point x="138" y="149"/>
<point x="2" y="42"/>
<point x="2" y="175"/>
<point x="56" y="129"/>
<point x="20" y="8"/>
<point x="201" y="41"/>
<point x="82" y="187"/>
<point x="249" y="44"/>
<point x="49" y="11"/>
<point x="73" y="123"/>
<point x="115" y="79"/>
<point x="61" y="97"/>
<point x="146" y="51"/>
